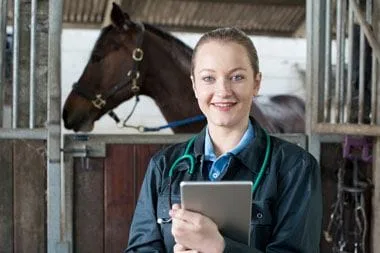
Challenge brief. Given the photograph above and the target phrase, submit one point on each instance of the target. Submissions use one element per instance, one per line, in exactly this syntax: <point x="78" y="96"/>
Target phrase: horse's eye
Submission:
<point x="95" y="58"/>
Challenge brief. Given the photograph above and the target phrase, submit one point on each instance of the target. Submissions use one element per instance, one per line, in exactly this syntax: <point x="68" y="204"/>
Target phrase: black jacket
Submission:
<point x="286" y="209"/>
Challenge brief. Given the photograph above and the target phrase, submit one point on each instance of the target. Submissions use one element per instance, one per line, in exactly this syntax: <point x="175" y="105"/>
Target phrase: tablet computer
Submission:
<point x="227" y="203"/>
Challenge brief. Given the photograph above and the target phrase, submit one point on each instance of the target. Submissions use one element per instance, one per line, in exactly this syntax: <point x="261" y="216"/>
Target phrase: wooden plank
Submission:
<point x="119" y="195"/>
<point x="6" y="197"/>
<point x="29" y="196"/>
<point x="329" y="169"/>
<point x="375" y="219"/>
<point x="258" y="2"/>
<point x="88" y="205"/>
<point x="125" y="169"/>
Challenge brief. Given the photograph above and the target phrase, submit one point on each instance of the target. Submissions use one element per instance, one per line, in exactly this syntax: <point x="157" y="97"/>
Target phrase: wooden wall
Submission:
<point x="105" y="193"/>
<point x="22" y="196"/>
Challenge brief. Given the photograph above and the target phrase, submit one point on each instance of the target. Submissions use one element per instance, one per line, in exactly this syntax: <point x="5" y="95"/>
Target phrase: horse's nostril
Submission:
<point x="66" y="123"/>
<point x="64" y="114"/>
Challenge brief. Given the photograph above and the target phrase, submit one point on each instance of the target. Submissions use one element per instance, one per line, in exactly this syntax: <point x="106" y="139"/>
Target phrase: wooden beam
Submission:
<point x="300" y="32"/>
<point x="375" y="219"/>
<point x="255" y="2"/>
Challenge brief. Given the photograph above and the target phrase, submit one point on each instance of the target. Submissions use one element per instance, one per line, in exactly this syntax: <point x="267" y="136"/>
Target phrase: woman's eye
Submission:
<point x="237" y="77"/>
<point x="207" y="78"/>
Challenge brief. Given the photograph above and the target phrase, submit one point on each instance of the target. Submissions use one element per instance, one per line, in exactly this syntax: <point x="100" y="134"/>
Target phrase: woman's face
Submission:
<point x="224" y="83"/>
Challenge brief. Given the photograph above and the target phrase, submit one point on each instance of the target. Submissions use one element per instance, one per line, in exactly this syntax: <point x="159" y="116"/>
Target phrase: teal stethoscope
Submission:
<point x="191" y="158"/>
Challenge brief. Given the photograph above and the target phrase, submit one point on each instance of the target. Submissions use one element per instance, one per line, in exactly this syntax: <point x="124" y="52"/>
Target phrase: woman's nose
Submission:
<point x="223" y="87"/>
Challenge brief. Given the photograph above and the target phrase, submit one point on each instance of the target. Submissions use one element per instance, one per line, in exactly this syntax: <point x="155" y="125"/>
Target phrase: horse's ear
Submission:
<point x="118" y="17"/>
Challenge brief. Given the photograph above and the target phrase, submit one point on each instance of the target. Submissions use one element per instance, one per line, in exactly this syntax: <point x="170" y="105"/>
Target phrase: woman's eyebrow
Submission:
<point x="238" y="68"/>
<point x="206" y="70"/>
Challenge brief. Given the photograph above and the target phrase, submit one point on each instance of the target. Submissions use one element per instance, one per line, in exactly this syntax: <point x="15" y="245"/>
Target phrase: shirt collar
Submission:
<point x="244" y="141"/>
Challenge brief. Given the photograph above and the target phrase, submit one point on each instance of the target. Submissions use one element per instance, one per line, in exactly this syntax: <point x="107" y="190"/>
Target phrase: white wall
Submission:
<point x="280" y="62"/>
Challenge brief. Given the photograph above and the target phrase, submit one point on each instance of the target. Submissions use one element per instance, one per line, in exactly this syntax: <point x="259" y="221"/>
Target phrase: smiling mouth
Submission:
<point x="224" y="106"/>
<point x="229" y="104"/>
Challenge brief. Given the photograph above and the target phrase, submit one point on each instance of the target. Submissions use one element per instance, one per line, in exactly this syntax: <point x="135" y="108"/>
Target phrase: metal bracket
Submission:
<point x="85" y="151"/>
<point x="355" y="147"/>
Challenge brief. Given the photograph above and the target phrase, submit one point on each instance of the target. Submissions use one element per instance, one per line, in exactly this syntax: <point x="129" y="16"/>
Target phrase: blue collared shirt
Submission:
<point x="219" y="165"/>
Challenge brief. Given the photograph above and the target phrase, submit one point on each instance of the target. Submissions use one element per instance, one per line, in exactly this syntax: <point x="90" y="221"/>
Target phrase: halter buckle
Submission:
<point x="136" y="74"/>
<point x="137" y="54"/>
<point x="135" y="88"/>
<point x="99" y="102"/>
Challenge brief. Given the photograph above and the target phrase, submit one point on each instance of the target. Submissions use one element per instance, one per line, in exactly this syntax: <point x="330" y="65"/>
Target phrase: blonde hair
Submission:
<point x="229" y="34"/>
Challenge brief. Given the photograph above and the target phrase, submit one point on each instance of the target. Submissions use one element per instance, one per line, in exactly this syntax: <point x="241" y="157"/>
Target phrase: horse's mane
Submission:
<point x="170" y="38"/>
<point x="176" y="48"/>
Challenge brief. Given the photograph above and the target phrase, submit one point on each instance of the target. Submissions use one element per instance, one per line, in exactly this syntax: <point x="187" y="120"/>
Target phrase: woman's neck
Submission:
<point x="225" y="139"/>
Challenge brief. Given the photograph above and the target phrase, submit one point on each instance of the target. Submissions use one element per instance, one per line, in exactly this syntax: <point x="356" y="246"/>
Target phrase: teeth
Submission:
<point x="223" y="105"/>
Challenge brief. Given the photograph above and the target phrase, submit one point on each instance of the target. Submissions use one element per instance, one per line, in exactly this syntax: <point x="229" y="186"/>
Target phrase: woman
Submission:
<point x="225" y="75"/>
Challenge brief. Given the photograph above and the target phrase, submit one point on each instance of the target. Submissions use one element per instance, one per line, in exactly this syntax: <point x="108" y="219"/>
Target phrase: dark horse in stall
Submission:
<point x="131" y="59"/>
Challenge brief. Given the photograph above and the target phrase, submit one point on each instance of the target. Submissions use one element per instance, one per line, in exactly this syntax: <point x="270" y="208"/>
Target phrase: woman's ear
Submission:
<point x="194" y="88"/>
<point x="257" y="83"/>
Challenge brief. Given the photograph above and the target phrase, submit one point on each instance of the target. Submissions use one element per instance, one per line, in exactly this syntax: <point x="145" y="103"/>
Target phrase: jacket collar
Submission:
<point x="252" y="156"/>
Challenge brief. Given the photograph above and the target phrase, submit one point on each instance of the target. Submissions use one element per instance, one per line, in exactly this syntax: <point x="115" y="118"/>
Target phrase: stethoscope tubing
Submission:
<point x="191" y="158"/>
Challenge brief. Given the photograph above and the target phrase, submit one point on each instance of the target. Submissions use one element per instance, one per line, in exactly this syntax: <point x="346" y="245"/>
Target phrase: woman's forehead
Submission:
<point x="221" y="54"/>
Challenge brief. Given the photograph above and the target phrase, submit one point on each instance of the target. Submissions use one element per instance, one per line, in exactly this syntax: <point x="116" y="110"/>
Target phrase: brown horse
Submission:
<point x="130" y="58"/>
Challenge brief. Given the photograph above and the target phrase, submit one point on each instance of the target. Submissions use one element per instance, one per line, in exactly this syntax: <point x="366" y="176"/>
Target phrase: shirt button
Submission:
<point x="215" y="175"/>
<point x="259" y="215"/>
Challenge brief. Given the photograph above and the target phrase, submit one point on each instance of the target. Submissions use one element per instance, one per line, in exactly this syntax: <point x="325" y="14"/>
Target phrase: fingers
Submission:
<point x="181" y="228"/>
<point x="176" y="206"/>
<point x="178" y="248"/>
<point x="177" y="213"/>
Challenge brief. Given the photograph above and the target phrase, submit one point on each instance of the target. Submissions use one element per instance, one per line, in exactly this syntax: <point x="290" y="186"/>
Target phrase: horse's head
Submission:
<point x="112" y="75"/>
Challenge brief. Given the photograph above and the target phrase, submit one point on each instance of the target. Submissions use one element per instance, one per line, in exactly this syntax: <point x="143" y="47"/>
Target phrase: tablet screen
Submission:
<point x="227" y="203"/>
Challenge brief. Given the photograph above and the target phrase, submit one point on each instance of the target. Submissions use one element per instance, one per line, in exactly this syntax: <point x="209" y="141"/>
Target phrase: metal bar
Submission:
<point x="375" y="45"/>
<point x="368" y="11"/>
<point x="127" y="138"/>
<point x="96" y="142"/>
<point x="318" y="51"/>
<point x="310" y="115"/>
<point x="348" y="129"/>
<point x="362" y="63"/>
<point x="339" y="27"/>
<point x="23" y="133"/>
<point x="374" y="90"/>
<point x="315" y="23"/>
<point x="68" y="201"/>
<point x="3" y="42"/>
<point x="57" y="240"/>
<point x="16" y="53"/>
<point x="343" y="60"/>
<point x="326" y="107"/>
<point x="32" y="81"/>
<point x="348" y="103"/>
<point x="361" y="77"/>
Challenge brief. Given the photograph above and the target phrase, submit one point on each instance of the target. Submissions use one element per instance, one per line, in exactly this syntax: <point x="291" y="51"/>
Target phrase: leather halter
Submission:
<point x="99" y="100"/>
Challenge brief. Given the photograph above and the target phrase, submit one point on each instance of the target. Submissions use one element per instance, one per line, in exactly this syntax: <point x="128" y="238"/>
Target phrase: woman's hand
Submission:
<point x="195" y="231"/>
<point x="178" y="248"/>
